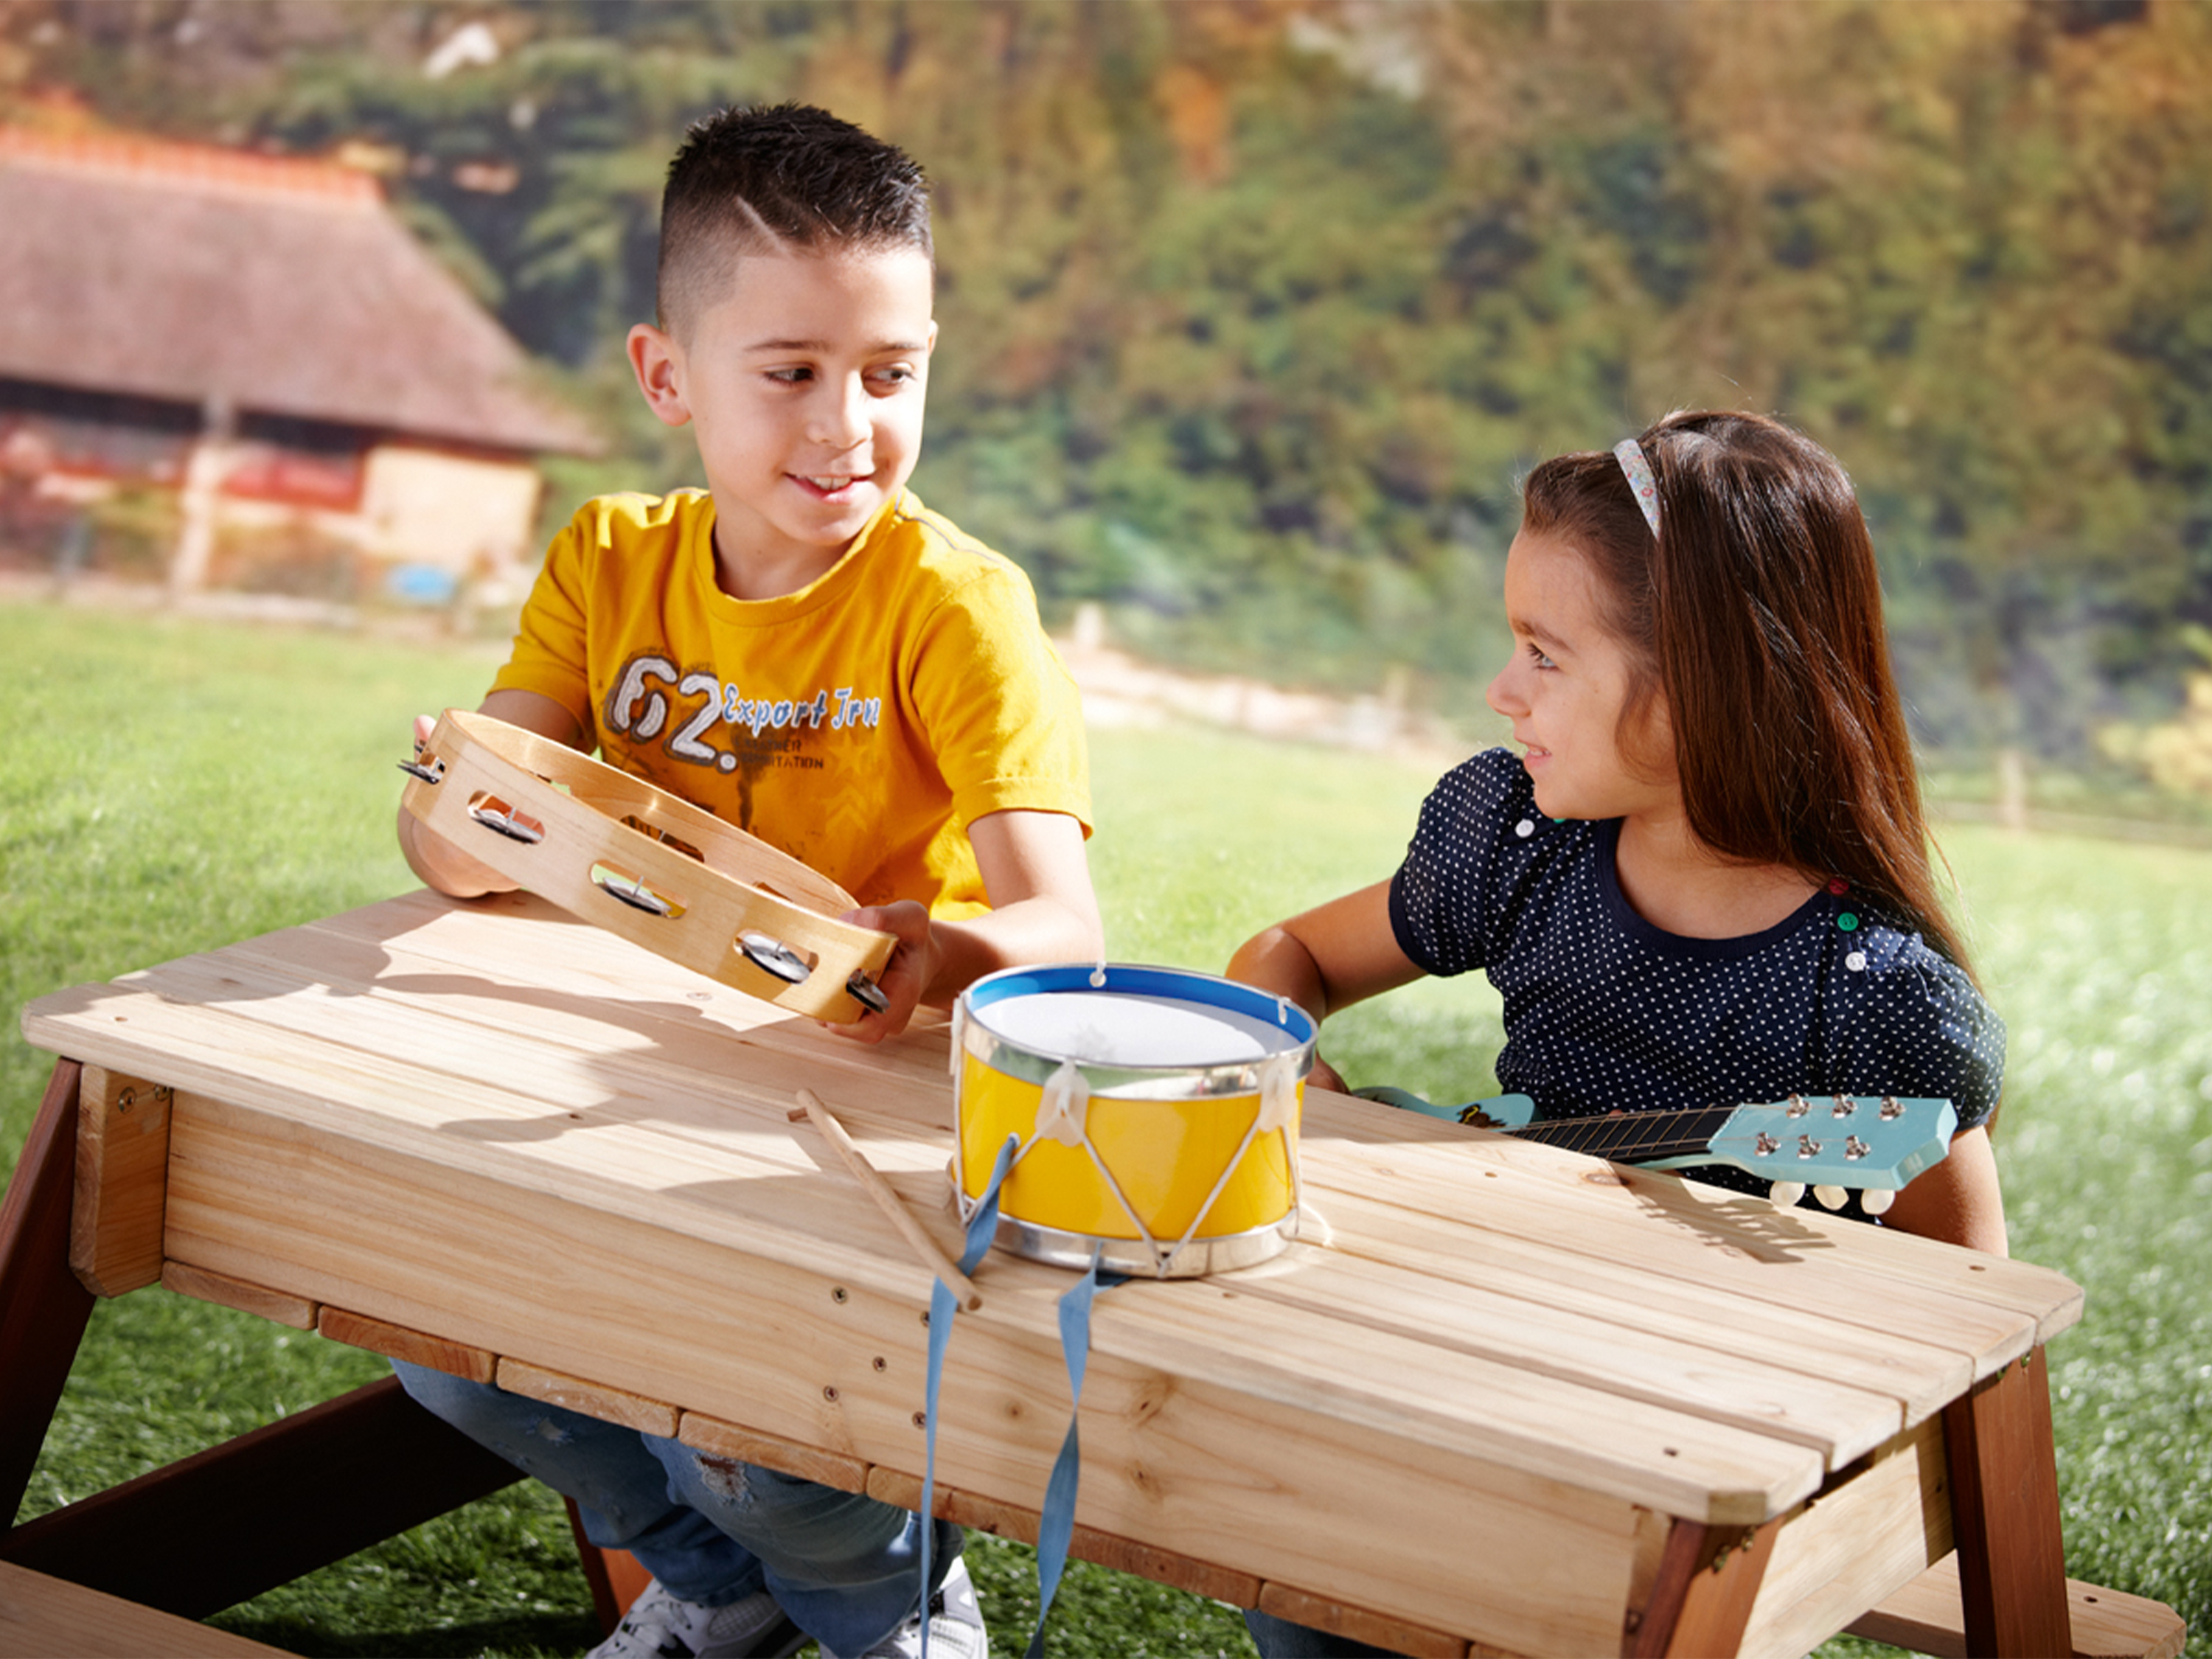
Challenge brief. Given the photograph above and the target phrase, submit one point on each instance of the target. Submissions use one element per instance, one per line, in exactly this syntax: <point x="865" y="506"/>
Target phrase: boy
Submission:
<point x="806" y="650"/>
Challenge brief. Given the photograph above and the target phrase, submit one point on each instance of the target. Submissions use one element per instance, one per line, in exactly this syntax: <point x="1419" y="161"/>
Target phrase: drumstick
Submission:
<point x="887" y="1201"/>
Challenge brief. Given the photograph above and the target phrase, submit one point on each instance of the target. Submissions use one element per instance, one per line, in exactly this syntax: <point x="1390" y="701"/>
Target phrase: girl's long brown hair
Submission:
<point x="1757" y="614"/>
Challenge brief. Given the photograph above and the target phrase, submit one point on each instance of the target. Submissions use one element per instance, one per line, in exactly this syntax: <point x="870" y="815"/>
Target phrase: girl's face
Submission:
<point x="1564" y="690"/>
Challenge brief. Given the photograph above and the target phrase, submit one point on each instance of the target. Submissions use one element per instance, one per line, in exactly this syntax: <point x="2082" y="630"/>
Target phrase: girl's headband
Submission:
<point x="1630" y="454"/>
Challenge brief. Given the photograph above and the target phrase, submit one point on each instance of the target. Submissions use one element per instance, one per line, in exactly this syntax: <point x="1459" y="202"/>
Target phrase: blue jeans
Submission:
<point x="1279" y="1638"/>
<point x="846" y="1567"/>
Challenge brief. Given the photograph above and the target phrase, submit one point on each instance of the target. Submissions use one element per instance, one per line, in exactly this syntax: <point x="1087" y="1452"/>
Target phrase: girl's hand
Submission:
<point x="911" y="970"/>
<point x="1325" y="1076"/>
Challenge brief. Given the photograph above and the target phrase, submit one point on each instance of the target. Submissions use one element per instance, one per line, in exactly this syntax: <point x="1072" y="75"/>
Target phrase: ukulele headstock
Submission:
<point x="1832" y="1143"/>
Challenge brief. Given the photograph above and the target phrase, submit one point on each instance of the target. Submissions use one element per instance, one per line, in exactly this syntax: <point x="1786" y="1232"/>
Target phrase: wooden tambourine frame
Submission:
<point x="612" y="850"/>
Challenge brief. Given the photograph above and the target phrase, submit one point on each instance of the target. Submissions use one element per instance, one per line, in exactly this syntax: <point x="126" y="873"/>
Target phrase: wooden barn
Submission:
<point x="221" y="368"/>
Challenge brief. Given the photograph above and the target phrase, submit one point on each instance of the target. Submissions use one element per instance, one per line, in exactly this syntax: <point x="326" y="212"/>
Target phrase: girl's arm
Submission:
<point x="1330" y="958"/>
<point x="1958" y="1201"/>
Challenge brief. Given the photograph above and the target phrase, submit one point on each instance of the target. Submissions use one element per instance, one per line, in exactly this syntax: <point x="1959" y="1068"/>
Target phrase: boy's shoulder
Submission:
<point x="938" y="548"/>
<point x="624" y="516"/>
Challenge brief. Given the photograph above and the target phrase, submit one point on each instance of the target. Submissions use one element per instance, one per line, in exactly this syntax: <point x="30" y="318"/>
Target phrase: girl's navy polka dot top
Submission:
<point x="1605" y="1012"/>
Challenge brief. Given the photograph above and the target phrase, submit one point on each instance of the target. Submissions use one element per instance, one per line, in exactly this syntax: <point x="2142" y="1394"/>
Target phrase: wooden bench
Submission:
<point x="38" y="1615"/>
<point x="1926" y="1616"/>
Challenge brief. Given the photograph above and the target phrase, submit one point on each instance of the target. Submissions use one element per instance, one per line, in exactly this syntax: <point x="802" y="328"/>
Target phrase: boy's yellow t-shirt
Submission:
<point x="859" y="725"/>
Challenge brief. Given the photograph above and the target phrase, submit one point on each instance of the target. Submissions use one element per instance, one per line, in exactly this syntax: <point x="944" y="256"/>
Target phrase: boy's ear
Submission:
<point x="657" y="362"/>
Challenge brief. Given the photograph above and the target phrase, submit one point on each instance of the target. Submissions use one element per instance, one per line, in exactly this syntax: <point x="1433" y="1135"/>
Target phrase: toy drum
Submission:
<point x="1155" y="1112"/>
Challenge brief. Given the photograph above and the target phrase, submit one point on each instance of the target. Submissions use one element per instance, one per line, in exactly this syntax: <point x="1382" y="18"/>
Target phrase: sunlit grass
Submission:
<point x="172" y="786"/>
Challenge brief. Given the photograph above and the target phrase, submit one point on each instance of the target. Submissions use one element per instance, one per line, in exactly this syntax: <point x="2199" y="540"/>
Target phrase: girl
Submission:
<point x="1705" y="876"/>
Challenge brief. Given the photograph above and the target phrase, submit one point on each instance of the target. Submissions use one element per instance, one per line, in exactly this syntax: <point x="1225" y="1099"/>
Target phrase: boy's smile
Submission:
<point x="1565" y="688"/>
<point x="803" y="384"/>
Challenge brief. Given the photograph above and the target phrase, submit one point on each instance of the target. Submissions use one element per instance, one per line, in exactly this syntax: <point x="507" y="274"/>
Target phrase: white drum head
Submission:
<point x="1106" y="1028"/>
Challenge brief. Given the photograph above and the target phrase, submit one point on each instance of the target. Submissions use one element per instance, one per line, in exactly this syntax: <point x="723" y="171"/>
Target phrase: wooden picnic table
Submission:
<point x="1499" y="1398"/>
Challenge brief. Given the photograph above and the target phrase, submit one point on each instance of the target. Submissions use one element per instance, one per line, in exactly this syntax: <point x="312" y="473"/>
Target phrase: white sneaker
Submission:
<point x="660" y="1626"/>
<point x="955" y="1624"/>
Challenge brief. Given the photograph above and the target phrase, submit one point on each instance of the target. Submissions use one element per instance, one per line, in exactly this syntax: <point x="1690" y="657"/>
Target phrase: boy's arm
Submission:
<point x="437" y="861"/>
<point x="1330" y="958"/>
<point x="1042" y="910"/>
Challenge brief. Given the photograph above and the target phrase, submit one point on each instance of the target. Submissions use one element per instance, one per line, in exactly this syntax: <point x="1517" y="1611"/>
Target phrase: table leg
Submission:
<point x="596" y="1578"/>
<point x="237" y="1519"/>
<point x="1701" y="1600"/>
<point x="43" y="1307"/>
<point x="615" y="1577"/>
<point x="2004" y="1513"/>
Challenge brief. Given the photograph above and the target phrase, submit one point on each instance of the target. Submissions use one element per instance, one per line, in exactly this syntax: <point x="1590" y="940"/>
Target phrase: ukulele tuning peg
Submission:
<point x="1876" y="1200"/>
<point x="1785" y="1194"/>
<point x="1831" y="1197"/>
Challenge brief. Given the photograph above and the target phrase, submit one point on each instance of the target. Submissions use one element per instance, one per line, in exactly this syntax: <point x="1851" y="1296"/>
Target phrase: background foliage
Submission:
<point x="1254" y="309"/>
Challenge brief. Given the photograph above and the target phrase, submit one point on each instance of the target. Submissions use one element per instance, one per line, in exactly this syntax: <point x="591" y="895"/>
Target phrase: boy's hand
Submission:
<point x="436" y="860"/>
<point x="1324" y="1076"/>
<point x="912" y="969"/>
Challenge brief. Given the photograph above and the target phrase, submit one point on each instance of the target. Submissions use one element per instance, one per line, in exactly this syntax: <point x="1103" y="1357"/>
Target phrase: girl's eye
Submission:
<point x="1537" y="656"/>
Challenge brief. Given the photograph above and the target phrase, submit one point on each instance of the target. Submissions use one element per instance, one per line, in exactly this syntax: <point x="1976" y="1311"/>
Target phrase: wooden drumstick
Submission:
<point x="887" y="1201"/>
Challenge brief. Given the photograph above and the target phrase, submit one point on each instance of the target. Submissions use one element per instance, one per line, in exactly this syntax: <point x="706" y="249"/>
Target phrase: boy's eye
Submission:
<point x="790" y="376"/>
<point x="892" y="375"/>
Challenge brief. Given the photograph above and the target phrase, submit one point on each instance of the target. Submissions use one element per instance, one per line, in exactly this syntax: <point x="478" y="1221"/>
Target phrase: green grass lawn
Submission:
<point x="172" y="786"/>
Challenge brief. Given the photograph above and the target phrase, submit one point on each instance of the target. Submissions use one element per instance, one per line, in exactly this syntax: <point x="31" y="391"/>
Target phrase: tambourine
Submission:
<point x="613" y="850"/>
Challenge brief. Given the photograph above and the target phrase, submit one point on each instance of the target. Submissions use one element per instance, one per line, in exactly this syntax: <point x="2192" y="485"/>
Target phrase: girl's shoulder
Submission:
<point x="1486" y="866"/>
<point x="1485" y="796"/>
<point x="1492" y="777"/>
<point x="1882" y="952"/>
<point x="1483" y="813"/>
<point x="1903" y="1010"/>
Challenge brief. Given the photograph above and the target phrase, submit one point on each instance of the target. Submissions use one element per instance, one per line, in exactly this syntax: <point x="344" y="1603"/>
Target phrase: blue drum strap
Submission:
<point x="1056" y="1526"/>
<point x="943" y="1305"/>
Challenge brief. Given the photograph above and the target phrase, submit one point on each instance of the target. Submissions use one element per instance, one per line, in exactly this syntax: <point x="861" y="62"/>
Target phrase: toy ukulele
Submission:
<point x="613" y="850"/>
<point x="1874" y="1143"/>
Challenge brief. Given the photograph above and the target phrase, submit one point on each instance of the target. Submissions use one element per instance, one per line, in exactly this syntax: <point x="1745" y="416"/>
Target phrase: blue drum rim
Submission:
<point x="1175" y="1082"/>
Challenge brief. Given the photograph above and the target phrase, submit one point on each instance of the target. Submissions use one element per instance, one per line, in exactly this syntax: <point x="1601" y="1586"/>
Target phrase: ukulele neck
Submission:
<point x="1634" y="1137"/>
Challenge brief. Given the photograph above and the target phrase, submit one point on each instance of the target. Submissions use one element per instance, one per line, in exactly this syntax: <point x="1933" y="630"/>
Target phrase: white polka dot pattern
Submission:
<point x="1606" y="1012"/>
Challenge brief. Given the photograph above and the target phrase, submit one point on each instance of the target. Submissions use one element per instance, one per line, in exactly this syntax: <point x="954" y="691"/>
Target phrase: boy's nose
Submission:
<point x="841" y="420"/>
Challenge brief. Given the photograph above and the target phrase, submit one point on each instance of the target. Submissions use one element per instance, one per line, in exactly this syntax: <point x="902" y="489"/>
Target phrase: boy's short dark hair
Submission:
<point x="752" y="180"/>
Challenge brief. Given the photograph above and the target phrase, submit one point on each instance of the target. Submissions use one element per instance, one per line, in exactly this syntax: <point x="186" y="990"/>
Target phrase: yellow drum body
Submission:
<point x="1154" y="1113"/>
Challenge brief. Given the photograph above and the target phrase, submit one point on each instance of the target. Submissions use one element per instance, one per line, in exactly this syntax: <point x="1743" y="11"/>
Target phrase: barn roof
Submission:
<point x="182" y="273"/>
